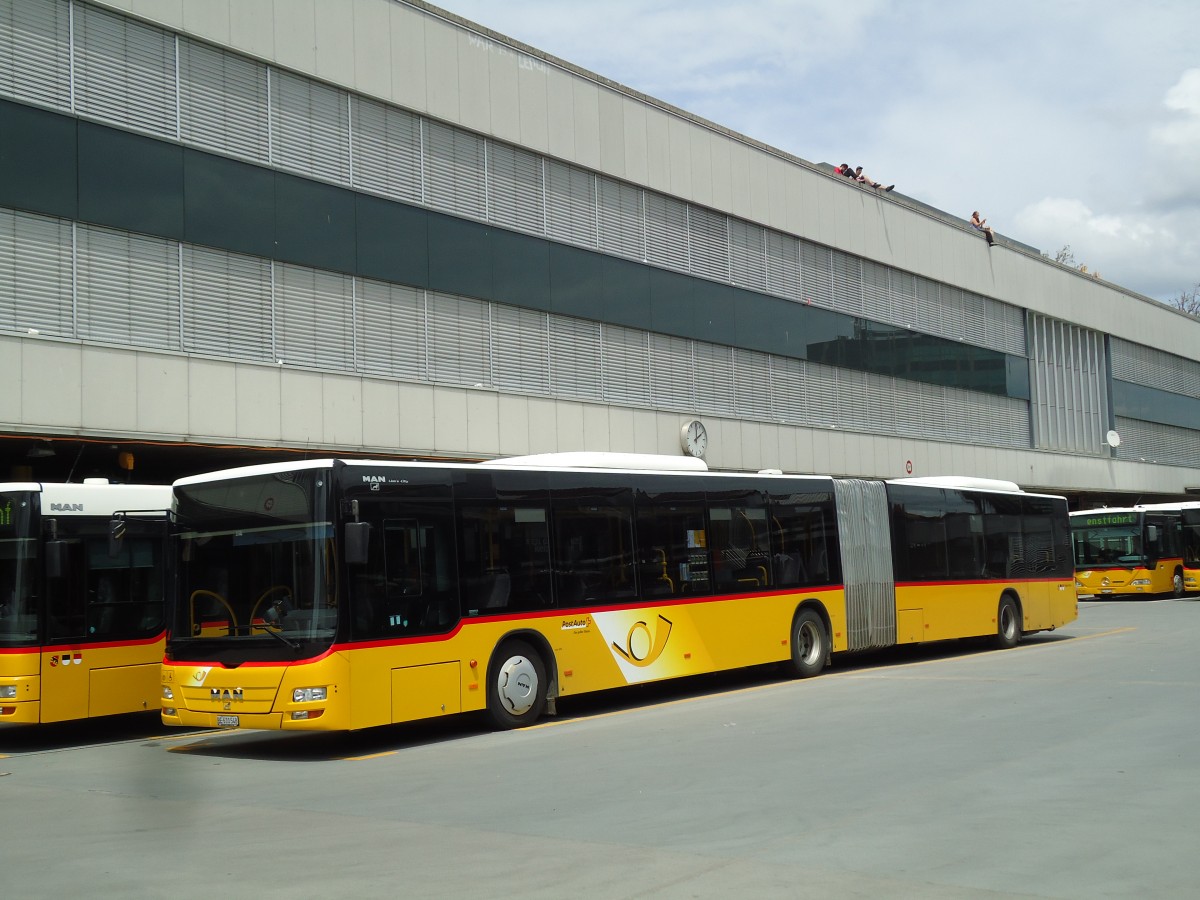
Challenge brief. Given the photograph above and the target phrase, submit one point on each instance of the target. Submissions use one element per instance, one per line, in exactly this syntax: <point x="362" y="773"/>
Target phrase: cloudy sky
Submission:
<point x="1065" y="122"/>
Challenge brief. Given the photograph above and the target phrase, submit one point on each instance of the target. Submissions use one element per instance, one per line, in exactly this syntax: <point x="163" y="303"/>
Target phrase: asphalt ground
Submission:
<point x="1066" y="767"/>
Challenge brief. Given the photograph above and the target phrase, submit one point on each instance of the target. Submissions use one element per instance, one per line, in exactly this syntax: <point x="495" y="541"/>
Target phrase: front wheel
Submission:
<point x="516" y="686"/>
<point x="1008" y="624"/>
<point x="1177" y="584"/>
<point x="810" y="644"/>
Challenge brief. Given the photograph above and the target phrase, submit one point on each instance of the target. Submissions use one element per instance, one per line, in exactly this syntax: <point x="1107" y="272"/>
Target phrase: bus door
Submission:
<point x="64" y="689"/>
<point x="1190" y="549"/>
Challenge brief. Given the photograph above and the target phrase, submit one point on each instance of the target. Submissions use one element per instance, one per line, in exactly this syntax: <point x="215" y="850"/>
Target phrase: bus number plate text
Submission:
<point x="227" y="721"/>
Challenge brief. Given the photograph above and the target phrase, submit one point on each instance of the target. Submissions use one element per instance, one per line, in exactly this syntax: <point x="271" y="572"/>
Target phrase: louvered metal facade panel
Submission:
<point x="124" y="72"/>
<point x="1006" y="327"/>
<point x="626" y="365"/>
<point x="820" y="395"/>
<point x="390" y="329"/>
<point x="1154" y="443"/>
<point x="975" y="318"/>
<point x="223" y="102"/>
<point x="36" y="254"/>
<point x="516" y="192"/>
<point x="876" y="292"/>
<point x="310" y="128"/>
<point x="1068" y="386"/>
<point x="846" y="274"/>
<point x="715" y="379"/>
<point x="672" y="378"/>
<point x="865" y="539"/>
<point x="783" y="265"/>
<point x="454" y="170"/>
<point x="572" y="213"/>
<point x="576" y="358"/>
<point x="622" y="219"/>
<point x="667" y="231"/>
<point x="1154" y="368"/>
<point x="748" y="254"/>
<point x="35" y="57"/>
<point x="314" y="318"/>
<point x="386" y="150"/>
<point x="708" y="243"/>
<point x="753" y="385"/>
<point x="459" y="340"/>
<point x="786" y="392"/>
<point x="816" y="274"/>
<point x="520" y="349"/>
<point x="926" y="312"/>
<point x="227" y="305"/>
<point x="127" y="289"/>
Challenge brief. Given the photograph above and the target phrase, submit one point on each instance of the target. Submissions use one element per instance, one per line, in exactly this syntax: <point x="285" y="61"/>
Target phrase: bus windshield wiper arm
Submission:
<point x="275" y="634"/>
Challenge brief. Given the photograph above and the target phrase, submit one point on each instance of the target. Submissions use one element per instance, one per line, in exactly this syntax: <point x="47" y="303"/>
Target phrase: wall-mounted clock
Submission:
<point x="693" y="438"/>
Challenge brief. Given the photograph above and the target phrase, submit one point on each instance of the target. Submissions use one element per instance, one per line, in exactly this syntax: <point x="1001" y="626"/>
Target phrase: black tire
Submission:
<point x="1008" y="624"/>
<point x="810" y="644"/>
<point x="1177" y="584"/>
<point x="516" y="687"/>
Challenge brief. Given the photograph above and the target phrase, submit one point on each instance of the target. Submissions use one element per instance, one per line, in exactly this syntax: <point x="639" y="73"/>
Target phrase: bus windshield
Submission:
<point x="255" y="567"/>
<point x="18" y="559"/>
<point x="1108" y="545"/>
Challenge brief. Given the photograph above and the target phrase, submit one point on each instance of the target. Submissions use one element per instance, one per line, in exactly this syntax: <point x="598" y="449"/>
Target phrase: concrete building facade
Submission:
<point x="374" y="227"/>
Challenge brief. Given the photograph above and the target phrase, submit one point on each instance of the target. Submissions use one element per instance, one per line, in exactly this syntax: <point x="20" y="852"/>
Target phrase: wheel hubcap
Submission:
<point x="808" y="643"/>
<point x="517" y="685"/>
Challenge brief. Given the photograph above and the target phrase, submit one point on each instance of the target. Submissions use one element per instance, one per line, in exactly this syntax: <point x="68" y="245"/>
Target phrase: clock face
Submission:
<point x="694" y="439"/>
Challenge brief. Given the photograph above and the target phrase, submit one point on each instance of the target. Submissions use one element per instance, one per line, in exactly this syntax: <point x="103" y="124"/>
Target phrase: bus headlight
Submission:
<point x="168" y="694"/>
<point x="307" y="695"/>
<point x="1140" y="582"/>
<point x="169" y="711"/>
<point x="8" y="692"/>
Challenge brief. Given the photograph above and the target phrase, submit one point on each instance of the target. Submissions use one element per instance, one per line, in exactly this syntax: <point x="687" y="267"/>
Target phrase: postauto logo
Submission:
<point x="637" y="642"/>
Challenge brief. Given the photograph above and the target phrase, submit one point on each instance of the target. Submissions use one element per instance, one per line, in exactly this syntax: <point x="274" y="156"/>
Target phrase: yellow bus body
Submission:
<point x="78" y="681"/>
<point x="1104" y="581"/>
<point x="380" y="683"/>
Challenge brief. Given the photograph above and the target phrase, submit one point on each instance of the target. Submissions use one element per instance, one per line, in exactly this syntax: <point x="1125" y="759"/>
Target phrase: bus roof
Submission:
<point x="99" y="498"/>
<point x="962" y="482"/>
<point x="583" y="459"/>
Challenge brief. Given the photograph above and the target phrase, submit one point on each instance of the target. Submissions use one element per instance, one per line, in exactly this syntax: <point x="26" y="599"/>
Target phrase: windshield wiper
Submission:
<point x="275" y="634"/>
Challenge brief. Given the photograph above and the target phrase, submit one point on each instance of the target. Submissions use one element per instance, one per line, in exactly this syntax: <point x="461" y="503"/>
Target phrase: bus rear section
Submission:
<point x="1128" y="552"/>
<point x="81" y="606"/>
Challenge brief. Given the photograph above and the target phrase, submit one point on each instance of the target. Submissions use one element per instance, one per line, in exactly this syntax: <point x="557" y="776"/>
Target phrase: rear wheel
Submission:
<point x="516" y="685"/>
<point x="810" y="644"/>
<point x="1008" y="623"/>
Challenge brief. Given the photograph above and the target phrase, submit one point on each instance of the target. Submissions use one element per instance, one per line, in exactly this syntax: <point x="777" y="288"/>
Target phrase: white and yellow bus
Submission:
<point x="1150" y="550"/>
<point x="82" y="591"/>
<point x="346" y="594"/>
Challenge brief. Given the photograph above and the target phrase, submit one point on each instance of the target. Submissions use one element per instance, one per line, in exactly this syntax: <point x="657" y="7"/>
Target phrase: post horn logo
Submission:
<point x="643" y="646"/>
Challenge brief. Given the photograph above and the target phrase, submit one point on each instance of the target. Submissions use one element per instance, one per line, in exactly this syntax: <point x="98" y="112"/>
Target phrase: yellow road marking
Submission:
<point x="370" y="756"/>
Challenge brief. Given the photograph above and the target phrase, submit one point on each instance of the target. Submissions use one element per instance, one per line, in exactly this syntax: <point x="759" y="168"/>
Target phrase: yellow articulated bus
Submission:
<point x="1151" y="549"/>
<point x="82" y="588"/>
<point x="347" y="594"/>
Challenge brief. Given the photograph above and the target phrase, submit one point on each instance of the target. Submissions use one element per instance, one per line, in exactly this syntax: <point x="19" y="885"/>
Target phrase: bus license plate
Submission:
<point x="227" y="721"/>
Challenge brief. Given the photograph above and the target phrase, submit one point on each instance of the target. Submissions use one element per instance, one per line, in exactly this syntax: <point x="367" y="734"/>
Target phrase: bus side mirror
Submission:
<point x="56" y="559"/>
<point x="116" y="537"/>
<point x="1152" y="534"/>
<point x="357" y="534"/>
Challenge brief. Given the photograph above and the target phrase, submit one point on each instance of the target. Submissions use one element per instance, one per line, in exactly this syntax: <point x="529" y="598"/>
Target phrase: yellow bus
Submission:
<point x="346" y="594"/>
<point x="82" y="588"/>
<point x="1145" y="550"/>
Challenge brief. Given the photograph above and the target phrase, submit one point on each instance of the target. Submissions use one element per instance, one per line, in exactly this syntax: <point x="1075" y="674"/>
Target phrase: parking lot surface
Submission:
<point x="1063" y="768"/>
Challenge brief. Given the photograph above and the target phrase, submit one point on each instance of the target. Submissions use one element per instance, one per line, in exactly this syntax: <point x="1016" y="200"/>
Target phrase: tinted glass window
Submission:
<point x="505" y="557"/>
<point x="803" y="540"/>
<point x="409" y="583"/>
<point x="593" y="545"/>
<point x="672" y="545"/>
